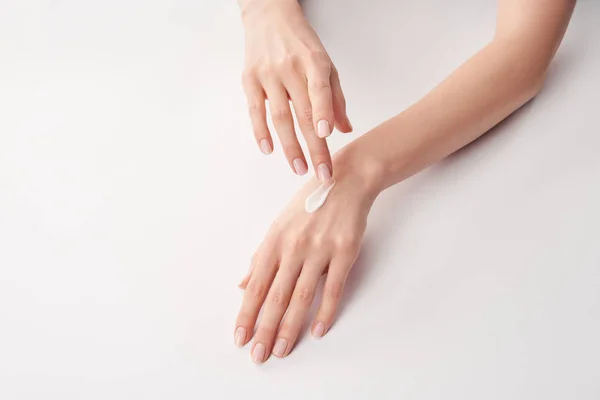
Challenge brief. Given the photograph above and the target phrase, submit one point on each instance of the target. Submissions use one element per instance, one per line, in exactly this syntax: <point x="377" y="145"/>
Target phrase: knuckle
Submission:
<point x="288" y="62"/>
<point x="304" y="296"/>
<point x="306" y="117"/>
<point x="347" y="243"/>
<point x="296" y="242"/>
<point x="334" y="290"/>
<point x="320" y="84"/>
<point x="256" y="289"/>
<point x="254" y="109"/>
<point x="281" y="114"/>
<point x="319" y="58"/>
<point x="265" y="70"/>
<point x="276" y="296"/>
<point x="318" y="242"/>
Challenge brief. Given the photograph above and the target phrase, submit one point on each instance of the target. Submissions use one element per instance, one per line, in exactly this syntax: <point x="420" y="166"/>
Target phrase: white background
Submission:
<point x="132" y="196"/>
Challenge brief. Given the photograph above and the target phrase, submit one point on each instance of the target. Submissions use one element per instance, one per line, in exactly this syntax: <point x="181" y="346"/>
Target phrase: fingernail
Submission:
<point x="323" y="128"/>
<point x="324" y="172"/>
<point x="240" y="336"/>
<point x="280" y="346"/>
<point x="258" y="354"/>
<point x="299" y="166"/>
<point x="265" y="146"/>
<point x="319" y="330"/>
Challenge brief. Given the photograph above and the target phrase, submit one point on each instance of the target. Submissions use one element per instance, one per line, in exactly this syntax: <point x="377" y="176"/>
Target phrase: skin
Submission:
<point x="300" y="247"/>
<point x="286" y="61"/>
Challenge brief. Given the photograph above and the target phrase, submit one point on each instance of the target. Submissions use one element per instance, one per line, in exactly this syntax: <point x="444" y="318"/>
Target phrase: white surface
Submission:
<point x="479" y="278"/>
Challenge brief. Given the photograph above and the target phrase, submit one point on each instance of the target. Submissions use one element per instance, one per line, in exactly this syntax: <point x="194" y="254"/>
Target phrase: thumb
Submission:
<point x="342" y="123"/>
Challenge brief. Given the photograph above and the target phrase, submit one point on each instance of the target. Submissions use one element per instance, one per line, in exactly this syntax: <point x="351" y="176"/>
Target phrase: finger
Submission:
<point x="254" y="296"/>
<point x="302" y="298"/>
<point x="244" y="283"/>
<point x="342" y="123"/>
<point x="274" y="308"/>
<point x="257" y="111"/>
<point x="284" y="125"/>
<point x="321" y="98"/>
<point x="319" y="152"/>
<point x="332" y="293"/>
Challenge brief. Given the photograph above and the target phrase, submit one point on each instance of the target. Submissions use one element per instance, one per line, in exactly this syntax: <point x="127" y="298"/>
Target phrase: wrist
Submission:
<point x="366" y="173"/>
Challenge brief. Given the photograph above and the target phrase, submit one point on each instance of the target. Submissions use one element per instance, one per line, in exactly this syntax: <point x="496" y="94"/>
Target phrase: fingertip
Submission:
<point x="349" y="124"/>
<point x="258" y="353"/>
<point x="239" y="337"/>
<point x="266" y="147"/>
<point x="244" y="283"/>
<point x="299" y="166"/>
<point x="280" y="348"/>
<point x="344" y="126"/>
<point x="323" y="129"/>
<point x="318" y="329"/>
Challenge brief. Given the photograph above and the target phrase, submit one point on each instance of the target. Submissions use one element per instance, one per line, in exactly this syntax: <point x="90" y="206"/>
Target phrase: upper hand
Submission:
<point x="285" y="60"/>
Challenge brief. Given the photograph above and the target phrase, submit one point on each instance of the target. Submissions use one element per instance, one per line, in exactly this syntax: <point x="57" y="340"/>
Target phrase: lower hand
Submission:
<point x="288" y="265"/>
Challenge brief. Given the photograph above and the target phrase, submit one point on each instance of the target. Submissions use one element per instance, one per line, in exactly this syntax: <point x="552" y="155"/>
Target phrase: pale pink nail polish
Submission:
<point x="300" y="166"/>
<point x="265" y="146"/>
<point x="240" y="336"/>
<point x="319" y="330"/>
<point x="324" y="172"/>
<point x="258" y="354"/>
<point x="323" y="129"/>
<point x="280" y="346"/>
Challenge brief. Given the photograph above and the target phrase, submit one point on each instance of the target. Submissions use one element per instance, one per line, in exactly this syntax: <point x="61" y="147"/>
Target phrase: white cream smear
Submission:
<point x="318" y="197"/>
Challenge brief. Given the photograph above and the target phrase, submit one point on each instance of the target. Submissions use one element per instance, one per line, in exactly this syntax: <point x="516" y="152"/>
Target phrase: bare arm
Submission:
<point x="299" y="247"/>
<point x="495" y="82"/>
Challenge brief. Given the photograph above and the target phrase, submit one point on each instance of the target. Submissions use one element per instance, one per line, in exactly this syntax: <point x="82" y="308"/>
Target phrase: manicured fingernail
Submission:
<point x="323" y="128"/>
<point x="280" y="346"/>
<point x="319" y="330"/>
<point x="265" y="146"/>
<point x="240" y="336"/>
<point x="324" y="172"/>
<point x="258" y="354"/>
<point x="299" y="166"/>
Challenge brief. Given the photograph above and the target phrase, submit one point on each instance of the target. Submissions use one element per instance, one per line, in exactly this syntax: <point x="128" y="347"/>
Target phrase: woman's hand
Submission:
<point x="285" y="61"/>
<point x="297" y="250"/>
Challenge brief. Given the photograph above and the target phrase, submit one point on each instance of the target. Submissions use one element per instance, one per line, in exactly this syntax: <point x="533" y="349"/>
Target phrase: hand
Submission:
<point x="285" y="60"/>
<point x="288" y="265"/>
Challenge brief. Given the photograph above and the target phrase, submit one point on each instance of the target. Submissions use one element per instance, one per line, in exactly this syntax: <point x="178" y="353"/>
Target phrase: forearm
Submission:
<point x="486" y="89"/>
<point x="478" y="95"/>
